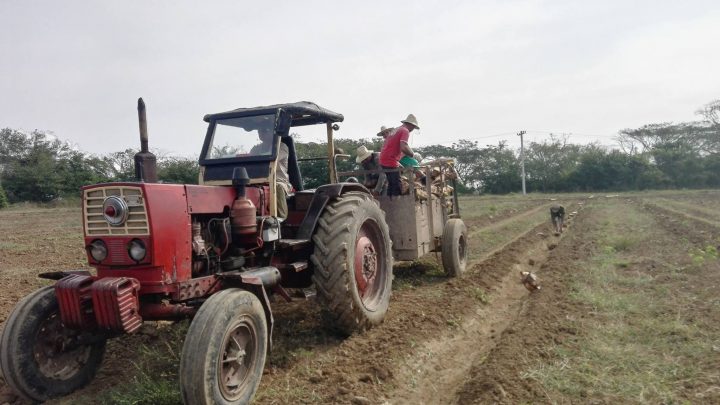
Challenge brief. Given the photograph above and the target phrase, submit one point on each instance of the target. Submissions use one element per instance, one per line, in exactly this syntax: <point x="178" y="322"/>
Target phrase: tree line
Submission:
<point x="38" y="167"/>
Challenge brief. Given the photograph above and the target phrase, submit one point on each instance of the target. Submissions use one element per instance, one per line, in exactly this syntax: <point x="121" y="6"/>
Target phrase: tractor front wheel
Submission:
<point x="454" y="247"/>
<point x="224" y="352"/>
<point x="41" y="358"/>
<point x="352" y="263"/>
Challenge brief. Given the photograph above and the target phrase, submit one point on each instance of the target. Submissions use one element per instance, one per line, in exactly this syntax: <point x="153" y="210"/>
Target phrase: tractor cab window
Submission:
<point x="242" y="137"/>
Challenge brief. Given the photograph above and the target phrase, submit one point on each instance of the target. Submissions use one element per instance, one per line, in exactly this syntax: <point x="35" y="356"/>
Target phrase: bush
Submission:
<point x="3" y="198"/>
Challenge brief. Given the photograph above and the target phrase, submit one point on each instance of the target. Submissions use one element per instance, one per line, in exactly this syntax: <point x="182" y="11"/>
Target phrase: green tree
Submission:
<point x="178" y="170"/>
<point x="121" y="165"/>
<point x="30" y="170"/>
<point x="313" y="158"/>
<point x="498" y="169"/>
<point x="548" y="164"/>
<point x="680" y="163"/>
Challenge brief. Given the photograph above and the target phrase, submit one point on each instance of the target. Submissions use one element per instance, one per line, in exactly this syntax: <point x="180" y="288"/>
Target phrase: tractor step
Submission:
<point x="297" y="266"/>
<point x="286" y="243"/>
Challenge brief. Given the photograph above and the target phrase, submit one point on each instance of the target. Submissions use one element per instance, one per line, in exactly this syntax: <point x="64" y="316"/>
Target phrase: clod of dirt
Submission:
<point x="552" y="246"/>
<point x="531" y="262"/>
<point x="382" y="373"/>
<point x="366" y="378"/>
<point x="343" y="391"/>
<point x="541" y="234"/>
<point x="359" y="401"/>
<point x="315" y="379"/>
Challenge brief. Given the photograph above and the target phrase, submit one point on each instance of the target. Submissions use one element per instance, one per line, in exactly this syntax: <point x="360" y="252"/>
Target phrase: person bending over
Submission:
<point x="557" y="216"/>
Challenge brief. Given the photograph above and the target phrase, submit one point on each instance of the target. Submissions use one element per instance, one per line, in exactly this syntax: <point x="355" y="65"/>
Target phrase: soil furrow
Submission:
<point x="434" y="372"/>
<point x="536" y="321"/>
<point x="504" y="222"/>
<point x="700" y="230"/>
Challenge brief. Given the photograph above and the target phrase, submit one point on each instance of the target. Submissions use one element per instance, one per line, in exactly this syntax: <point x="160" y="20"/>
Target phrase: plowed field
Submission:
<point x="628" y="311"/>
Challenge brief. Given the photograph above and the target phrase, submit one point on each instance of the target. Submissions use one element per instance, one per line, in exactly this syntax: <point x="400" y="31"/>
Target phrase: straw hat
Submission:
<point x="411" y="120"/>
<point x="362" y="153"/>
<point x="384" y="130"/>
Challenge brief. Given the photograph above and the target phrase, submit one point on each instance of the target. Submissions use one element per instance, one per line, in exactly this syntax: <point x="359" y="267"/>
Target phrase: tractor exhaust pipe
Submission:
<point x="145" y="162"/>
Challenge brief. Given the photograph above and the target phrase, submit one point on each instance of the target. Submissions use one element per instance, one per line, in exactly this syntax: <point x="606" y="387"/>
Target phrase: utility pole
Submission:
<point x="522" y="158"/>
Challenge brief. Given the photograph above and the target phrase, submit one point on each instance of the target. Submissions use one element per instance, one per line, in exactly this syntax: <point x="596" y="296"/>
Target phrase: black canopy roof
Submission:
<point x="302" y="112"/>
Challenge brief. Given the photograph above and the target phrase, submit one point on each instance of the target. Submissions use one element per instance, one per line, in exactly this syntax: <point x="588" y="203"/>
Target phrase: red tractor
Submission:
<point x="212" y="252"/>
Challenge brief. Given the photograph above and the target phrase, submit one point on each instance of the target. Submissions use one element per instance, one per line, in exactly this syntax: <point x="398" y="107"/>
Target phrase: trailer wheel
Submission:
<point x="41" y="358"/>
<point x="454" y="247"/>
<point x="353" y="263"/>
<point x="224" y="352"/>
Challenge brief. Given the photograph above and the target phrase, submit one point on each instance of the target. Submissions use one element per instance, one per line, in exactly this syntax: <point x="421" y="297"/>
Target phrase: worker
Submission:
<point x="557" y="216"/>
<point x="369" y="160"/>
<point x="394" y="148"/>
<point x="282" y="180"/>
<point x="385" y="131"/>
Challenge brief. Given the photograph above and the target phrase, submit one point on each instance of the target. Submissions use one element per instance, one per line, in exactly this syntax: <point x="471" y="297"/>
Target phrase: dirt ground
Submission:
<point x="482" y="338"/>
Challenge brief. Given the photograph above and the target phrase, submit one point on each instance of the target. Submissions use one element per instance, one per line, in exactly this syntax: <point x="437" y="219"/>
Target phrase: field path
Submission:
<point x="438" y="368"/>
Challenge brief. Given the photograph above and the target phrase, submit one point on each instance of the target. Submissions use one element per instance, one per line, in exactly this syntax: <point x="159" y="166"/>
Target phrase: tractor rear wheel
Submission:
<point x="454" y="247"/>
<point x="41" y="358"/>
<point x="352" y="263"/>
<point x="224" y="352"/>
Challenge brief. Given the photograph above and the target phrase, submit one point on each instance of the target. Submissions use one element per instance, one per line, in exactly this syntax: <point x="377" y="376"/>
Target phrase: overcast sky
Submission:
<point x="466" y="69"/>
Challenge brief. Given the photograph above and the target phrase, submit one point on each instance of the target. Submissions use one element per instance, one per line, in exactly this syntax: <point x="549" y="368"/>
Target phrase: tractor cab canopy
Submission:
<point x="300" y="113"/>
<point x="250" y="137"/>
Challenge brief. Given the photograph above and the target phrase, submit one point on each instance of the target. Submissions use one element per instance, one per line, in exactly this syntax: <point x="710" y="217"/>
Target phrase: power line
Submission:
<point x="528" y="132"/>
<point x="571" y="133"/>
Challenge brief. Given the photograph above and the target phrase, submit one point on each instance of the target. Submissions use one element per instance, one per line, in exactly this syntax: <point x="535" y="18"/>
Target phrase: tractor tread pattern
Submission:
<point x="331" y="276"/>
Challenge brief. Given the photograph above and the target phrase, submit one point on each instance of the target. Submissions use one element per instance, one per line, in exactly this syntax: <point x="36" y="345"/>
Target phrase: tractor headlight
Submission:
<point x="136" y="250"/>
<point x="98" y="250"/>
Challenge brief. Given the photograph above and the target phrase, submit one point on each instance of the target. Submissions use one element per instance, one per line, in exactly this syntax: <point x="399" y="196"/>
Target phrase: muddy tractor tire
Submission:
<point x="224" y="352"/>
<point x="352" y="263"/>
<point x="454" y="247"/>
<point x="39" y="357"/>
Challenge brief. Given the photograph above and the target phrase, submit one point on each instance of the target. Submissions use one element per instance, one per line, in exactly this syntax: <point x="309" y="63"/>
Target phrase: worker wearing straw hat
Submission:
<point x="369" y="160"/>
<point x="395" y="147"/>
<point x="385" y="131"/>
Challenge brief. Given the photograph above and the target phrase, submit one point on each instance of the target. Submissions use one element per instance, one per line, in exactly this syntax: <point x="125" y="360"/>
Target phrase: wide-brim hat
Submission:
<point x="411" y="120"/>
<point x="362" y="153"/>
<point x="384" y="130"/>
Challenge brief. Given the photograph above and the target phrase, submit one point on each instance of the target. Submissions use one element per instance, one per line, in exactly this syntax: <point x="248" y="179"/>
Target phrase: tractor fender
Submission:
<point x="323" y="195"/>
<point x="57" y="275"/>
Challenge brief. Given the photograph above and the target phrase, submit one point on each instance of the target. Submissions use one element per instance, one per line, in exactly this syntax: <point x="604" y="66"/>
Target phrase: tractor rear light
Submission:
<point x="98" y="250"/>
<point x="137" y="250"/>
<point x="115" y="210"/>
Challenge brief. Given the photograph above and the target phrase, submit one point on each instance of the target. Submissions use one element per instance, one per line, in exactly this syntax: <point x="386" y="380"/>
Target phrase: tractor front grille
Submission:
<point x="95" y="223"/>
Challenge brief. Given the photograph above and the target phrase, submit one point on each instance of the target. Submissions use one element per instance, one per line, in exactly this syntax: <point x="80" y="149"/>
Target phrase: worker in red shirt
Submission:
<point x="395" y="147"/>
